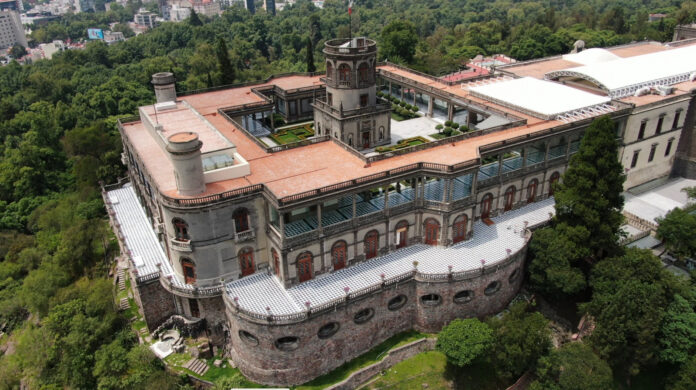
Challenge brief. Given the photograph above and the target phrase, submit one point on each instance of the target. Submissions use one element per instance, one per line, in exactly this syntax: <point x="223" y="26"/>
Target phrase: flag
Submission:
<point x="350" y="8"/>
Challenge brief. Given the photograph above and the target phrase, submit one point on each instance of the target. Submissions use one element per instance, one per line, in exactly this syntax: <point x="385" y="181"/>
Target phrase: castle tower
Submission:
<point x="352" y="112"/>
<point x="165" y="87"/>
<point x="185" y="152"/>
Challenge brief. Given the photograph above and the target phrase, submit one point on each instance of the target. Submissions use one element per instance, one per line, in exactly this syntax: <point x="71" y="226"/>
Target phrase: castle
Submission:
<point x="304" y="254"/>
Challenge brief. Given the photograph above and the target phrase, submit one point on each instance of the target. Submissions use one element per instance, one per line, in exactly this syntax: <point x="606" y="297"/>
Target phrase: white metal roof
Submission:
<point x="622" y="77"/>
<point x="539" y="98"/>
<point x="257" y="292"/>
<point x="594" y="55"/>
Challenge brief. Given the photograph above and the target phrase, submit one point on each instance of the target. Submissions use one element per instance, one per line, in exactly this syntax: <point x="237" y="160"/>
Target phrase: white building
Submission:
<point x="11" y="30"/>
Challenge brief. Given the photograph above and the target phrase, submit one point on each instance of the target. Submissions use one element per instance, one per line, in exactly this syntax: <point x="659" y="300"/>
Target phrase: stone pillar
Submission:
<point x="414" y="97"/>
<point x="450" y="111"/>
<point x="401" y="89"/>
<point x="319" y="224"/>
<point x="390" y="88"/>
<point x="354" y="205"/>
<point x="470" y="118"/>
<point x="430" y="106"/>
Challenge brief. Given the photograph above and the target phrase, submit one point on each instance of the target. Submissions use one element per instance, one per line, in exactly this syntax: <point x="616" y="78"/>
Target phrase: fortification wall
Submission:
<point x="262" y="358"/>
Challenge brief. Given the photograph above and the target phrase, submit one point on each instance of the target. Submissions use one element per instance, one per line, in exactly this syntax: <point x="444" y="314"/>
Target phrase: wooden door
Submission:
<point x="459" y="229"/>
<point x="338" y="256"/>
<point x="486" y="206"/>
<point x="509" y="198"/>
<point x="304" y="267"/>
<point x="366" y="140"/>
<point x="371" y="244"/>
<point x="432" y="229"/>
<point x="531" y="191"/>
<point x="246" y="259"/>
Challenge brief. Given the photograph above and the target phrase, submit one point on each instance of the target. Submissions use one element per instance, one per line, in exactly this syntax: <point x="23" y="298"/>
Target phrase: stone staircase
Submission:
<point x="121" y="279"/>
<point x="198" y="366"/>
<point x="124" y="304"/>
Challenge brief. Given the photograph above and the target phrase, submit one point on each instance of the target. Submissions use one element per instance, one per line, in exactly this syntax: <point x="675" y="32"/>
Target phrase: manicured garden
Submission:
<point x="400" y="109"/>
<point x="293" y="134"/>
<point x="449" y="129"/>
<point x="404" y="143"/>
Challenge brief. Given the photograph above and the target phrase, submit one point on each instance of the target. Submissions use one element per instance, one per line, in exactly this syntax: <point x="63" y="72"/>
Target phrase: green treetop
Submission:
<point x="464" y="341"/>
<point x="224" y="63"/>
<point x="572" y="367"/>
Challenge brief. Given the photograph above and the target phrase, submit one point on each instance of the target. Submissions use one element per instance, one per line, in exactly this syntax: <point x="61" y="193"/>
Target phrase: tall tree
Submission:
<point x="676" y="230"/>
<point x="399" y="39"/>
<point x="224" y="63"/>
<point x="464" y="341"/>
<point x="630" y="293"/>
<point x="194" y="20"/>
<point x="589" y="196"/>
<point x="572" y="367"/>
<point x="553" y="269"/>
<point x="678" y="332"/>
<point x="311" y="67"/>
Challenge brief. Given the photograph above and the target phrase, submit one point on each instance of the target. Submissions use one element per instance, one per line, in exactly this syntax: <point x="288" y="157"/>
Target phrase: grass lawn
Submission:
<point x="431" y="367"/>
<point x="441" y="136"/>
<point x="293" y="134"/>
<point x="374" y="355"/>
<point x="399" y="117"/>
<point x="427" y="367"/>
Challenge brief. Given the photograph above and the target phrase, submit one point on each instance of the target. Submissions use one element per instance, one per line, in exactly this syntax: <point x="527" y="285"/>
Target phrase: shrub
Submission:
<point x="464" y="129"/>
<point x="380" y="93"/>
<point x="455" y="125"/>
<point x="439" y="128"/>
<point x="413" y="108"/>
<point x="402" y="104"/>
<point x="448" y="131"/>
<point x="448" y="123"/>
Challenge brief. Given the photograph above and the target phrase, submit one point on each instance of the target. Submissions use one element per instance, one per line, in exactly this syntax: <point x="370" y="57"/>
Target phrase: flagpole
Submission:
<point x="350" y="20"/>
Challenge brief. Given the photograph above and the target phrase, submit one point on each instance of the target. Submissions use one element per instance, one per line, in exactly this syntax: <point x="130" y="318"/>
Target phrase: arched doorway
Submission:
<point x="552" y="182"/>
<point x="402" y="234"/>
<point x="531" y="190"/>
<point x="304" y="267"/>
<point x="338" y="255"/>
<point x="459" y="228"/>
<point x="509" y="198"/>
<point x="371" y="244"/>
<point x="486" y="206"/>
<point x="189" y="270"/>
<point x="246" y="261"/>
<point x="432" y="229"/>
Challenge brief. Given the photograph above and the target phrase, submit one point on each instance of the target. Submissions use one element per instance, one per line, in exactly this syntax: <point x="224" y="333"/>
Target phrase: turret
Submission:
<point x="165" y="87"/>
<point x="185" y="153"/>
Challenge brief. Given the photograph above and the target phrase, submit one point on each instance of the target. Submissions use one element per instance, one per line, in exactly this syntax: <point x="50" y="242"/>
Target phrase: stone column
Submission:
<point x="450" y="111"/>
<point x="390" y="88"/>
<point x="354" y="206"/>
<point x="470" y="118"/>
<point x="401" y="88"/>
<point x="414" y="97"/>
<point x="430" y="106"/>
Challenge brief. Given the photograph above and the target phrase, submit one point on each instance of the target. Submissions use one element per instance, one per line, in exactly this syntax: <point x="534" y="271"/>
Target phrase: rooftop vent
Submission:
<point x="170" y="105"/>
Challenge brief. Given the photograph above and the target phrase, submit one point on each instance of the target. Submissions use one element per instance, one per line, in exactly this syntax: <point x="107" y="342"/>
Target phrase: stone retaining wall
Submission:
<point x="394" y="356"/>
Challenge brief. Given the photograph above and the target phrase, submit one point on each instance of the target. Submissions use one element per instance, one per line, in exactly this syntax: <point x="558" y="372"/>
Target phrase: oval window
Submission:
<point x="287" y="343"/>
<point x="463" y="296"/>
<point x="431" y="299"/>
<point x="492" y="288"/>
<point x="363" y="315"/>
<point x="514" y="275"/>
<point x="397" y="302"/>
<point x="328" y="330"/>
<point x="248" y="338"/>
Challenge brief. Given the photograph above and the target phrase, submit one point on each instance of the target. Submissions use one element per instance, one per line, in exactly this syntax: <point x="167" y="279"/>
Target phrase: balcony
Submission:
<point x="180" y="245"/>
<point x="247" y="235"/>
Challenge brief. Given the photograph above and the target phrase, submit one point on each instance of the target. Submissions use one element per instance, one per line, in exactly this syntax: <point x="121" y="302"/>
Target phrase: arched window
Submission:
<point x="509" y="197"/>
<point x="459" y="228"/>
<point x="304" y="267"/>
<point x="180" y="229"/>
<point x="531" y="190"/>
<point x="486" y="206"/>
<point x="189" y="270"/>
<point x="364" y="73"/>
<point x="432" y="230"/>
<point x="552" y="182"/>
<point x="402" y="234"/>
<point x="338" y="255"/>
<point x="371" y="244"/>
<point x="329" y="70"/>
<point x="276" y="261"/>
<point x="344" y="74"/>
<point x="350" y="139"/>
<point x="381" y="133"/>
<point x="241" y="220"/>
<point x="246" y="261"/>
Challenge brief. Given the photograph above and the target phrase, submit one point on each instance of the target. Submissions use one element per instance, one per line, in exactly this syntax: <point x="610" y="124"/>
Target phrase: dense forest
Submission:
<point x="58" y="323"/>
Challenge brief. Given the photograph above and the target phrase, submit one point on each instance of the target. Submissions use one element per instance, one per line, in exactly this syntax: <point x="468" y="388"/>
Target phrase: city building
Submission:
<point x="49" y="49"/>
<point x="145" y="18"/>
<point x="11" y="30"/>
<point x="249" y="5"/>
<point x="686" y="31"/>
<point x="111" y="37"/>
<point x="206" y="7"/>
<point x="11" y="5"/>
<point x="304" y="246"/>
<point x="84" y="6"/>
<point x="270" y="6"/>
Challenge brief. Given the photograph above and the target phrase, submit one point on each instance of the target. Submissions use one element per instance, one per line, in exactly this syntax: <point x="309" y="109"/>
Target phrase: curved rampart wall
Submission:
<point x="311" y="356"/>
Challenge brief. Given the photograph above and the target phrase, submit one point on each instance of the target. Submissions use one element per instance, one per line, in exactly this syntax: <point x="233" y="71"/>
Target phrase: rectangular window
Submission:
<point x="363" y="100"/>
<point x="652" y="152"/>
<point x="675" y="124"/>
<point x="669" y="147"/>
<point x="641" y="132"/>
<point x="329" y="99"/>
<point x="634" y="161"/>
<point x="658" y="129"/>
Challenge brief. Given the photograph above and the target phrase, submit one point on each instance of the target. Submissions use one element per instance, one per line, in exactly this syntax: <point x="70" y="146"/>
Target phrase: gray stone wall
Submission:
<point x="159" y="303"/>
<point x="312" y="356"/>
